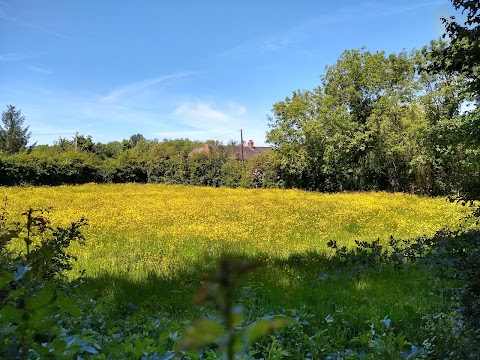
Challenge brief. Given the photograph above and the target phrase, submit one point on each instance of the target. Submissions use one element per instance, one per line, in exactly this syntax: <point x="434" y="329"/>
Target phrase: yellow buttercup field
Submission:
<point x="137" y="229"/>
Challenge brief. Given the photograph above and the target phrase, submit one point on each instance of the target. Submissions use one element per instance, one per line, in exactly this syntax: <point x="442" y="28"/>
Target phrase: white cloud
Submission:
<point x="141" y="107"/>
<point x="39" y="70"/>
<point x="236" y="109"/>
<point x="201" y="120"/>
<point x="11" y="57"/>
<point x="274" y="45"/>
<point x="200" y="113"/>
<point x="139" y="86"/>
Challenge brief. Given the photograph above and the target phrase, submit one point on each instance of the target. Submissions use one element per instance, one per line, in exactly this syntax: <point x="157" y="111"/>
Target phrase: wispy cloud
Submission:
<point x="274" y="45"/>
<point x="280" y="41"/>
<point x="15" y="56"/>
<point x="164" y="113"/>
<point x="139" y="86"/>
<point x="198" y="113"/>
<point x="264" y="45"/>
<point x="38" y="70"/>
<point x="292" y="35"/>
<point x="201" y="120"/>
<point x="208" y="115"/>
<point x="6" y="16"/>
<point x="12" y="57"/>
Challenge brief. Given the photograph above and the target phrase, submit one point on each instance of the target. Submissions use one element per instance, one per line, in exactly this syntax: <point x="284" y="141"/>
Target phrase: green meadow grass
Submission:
<point x="148" y="247"/>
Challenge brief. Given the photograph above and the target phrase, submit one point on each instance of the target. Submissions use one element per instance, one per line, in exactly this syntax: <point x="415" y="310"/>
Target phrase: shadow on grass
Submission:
<point x="310" y="281"/>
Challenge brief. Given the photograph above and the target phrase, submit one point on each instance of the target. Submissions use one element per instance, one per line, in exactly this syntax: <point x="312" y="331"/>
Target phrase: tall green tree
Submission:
<point x="367" y="111"/>
<point x="463" y="53"/>
<point x="355" y="131"/>
<point x="441" y="161"/>
<point x="294" y="135"/>
<point x="135" y="139"/>
<point x="462" y="56"/>
<point x="13" y="136"/>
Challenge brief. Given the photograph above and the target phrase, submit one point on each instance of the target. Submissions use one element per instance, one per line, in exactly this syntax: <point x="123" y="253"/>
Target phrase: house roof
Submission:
<point x="249" y="150"/>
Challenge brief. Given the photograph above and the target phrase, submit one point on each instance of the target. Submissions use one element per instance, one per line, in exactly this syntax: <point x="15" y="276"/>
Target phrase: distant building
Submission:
<point x="249" y="150"/>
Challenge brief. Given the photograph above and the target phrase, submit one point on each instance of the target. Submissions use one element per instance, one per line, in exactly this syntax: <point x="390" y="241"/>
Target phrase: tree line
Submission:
<point x="136" y="159"/>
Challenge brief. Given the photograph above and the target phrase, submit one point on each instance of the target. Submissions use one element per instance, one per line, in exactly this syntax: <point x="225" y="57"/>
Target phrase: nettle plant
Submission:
<point x="35" y="305"/>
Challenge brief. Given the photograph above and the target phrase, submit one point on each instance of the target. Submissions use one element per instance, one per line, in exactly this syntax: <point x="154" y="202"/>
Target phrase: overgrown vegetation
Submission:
<point x="410" y="299"/>
<point x="36" y="307"/>
<point x="453" y="258"/>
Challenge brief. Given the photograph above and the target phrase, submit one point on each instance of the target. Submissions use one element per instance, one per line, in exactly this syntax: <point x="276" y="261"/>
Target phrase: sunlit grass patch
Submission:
<point x="137" y="229"/>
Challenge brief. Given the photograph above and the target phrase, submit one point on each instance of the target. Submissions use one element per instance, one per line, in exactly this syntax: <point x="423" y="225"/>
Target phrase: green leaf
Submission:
<point x="7" y="275"/>
<point x="43" y="298"/>
<point x="3" y="282"/>
<point x="69" y="305"/>
<point x="89" y="349"/>
<point x="11" y="234"/>
<point x="10" y="314"/>
<point x="263" y="327"/>
<point x="400" y="340"/>
<point x="203" y="332"/>
<point x="70" y="340"/>
<point x="59" y="346"/>
<point x="141" y="344"/>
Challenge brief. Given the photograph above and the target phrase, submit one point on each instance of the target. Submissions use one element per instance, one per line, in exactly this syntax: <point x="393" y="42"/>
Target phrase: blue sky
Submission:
<point x="184" y="69"/>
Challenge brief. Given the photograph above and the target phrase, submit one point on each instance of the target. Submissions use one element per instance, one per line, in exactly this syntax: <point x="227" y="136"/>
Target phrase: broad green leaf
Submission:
<point x="89" y="349"/>
<point x="7" y="275"/>
<point x="43" y="298"/>
<point x="262" y="327"/>
<point x="10" y="314"/>
<point x="203" y="332"/>
<point x="69" y="305"/>
<point x="59" y="346"/>
<point x="3" y="282"/>
<point x="141" y="344"/>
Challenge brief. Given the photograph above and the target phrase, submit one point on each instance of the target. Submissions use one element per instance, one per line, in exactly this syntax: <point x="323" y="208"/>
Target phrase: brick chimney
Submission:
<point x="250" y="144"/>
